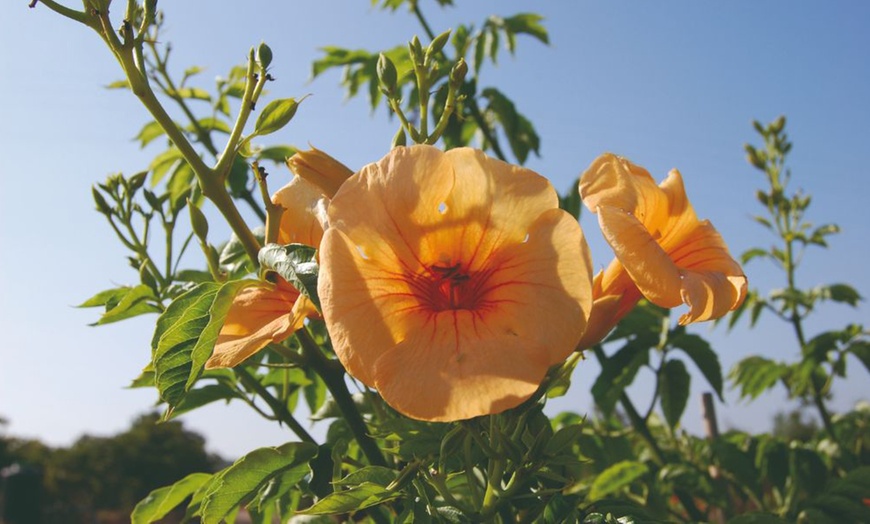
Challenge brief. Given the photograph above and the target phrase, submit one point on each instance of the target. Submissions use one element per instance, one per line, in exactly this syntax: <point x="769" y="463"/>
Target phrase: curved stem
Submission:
<point x="278" y="408"/>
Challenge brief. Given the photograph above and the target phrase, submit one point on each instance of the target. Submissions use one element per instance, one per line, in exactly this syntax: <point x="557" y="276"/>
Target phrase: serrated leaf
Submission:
<point x="185" y="336"/>
<point x="108" y="296"/>
<point x="615" y="478"/>
<point x="275" y="115"/>
<point x="528" y="23"/>
<point x="674" y="390"/>
<point x="296" y="263"/>
<point x="356" y="498"/>
<point x="703" y="356"/>
<point x="134" y="301"/>
<point x="240" y="482"/>
<point x="754" y="375"/>
<point x="161" y="501"/>
<point x="374" y="474"/>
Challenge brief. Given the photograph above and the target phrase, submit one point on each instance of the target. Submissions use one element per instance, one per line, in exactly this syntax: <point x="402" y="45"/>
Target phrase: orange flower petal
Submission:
<point x="441" y="261"/>
<point x="319" y="169"/>
<point x="458" y="367"/>
<point x="258" y="316"/>
<point x="302" y="203"/>
<point x="671" y="256"/>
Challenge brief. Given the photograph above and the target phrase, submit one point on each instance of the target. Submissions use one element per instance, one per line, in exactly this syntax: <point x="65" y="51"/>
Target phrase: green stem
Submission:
<point x="817" y="382"/>
<point x="78" y="16"/>
<point x="212" y="185"/>
<point x="333" y="376"/>
<point x="278" y="408"/>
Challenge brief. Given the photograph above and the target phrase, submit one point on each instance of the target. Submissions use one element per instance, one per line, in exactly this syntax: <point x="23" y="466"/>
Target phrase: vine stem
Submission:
<point x="278" y="408"/>
<point x="333" y="376"/>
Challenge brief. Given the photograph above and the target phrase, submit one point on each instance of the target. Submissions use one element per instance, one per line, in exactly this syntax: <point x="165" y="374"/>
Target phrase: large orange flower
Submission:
<point x="663" y="252"/>
<point x="451" y="282"/>
<point x="271" y="312"/>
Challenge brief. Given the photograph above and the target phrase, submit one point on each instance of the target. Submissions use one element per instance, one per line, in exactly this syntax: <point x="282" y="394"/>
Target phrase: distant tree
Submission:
<point x="100" y="474"/>
<point x="793" y="426"/>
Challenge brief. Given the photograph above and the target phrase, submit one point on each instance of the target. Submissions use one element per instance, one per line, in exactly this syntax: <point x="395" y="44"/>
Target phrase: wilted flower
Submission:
<point x="663" y="252"/>
<point x="451" y="282"/>
<point x="271" y="312"/>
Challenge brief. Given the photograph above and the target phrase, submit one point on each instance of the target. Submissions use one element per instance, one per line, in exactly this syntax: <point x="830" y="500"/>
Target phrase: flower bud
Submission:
<point x="102" y="206"/>
<point x="400" y="139"/>
<point x="415" y="49"/>
<point x="457" y="74"/>
<point x="198" y="221"/>
<point x="264" y="56"/>
<point x="320" y="169"/>
<point x="437" y="44"/>
<point x="387" y="74"/>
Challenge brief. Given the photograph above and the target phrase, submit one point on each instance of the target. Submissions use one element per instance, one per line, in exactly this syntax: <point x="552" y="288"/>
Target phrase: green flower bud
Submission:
<point x="400" y="139"/>
<point x="102" y="206"/>
<point x="457" y="74"/>
<point x="437" y="44"/>
<point x="387" y="74"/>
<point x="136" y="181"/>
<point x="415" y="50"/>
<point x="264" y="56"/>
<point x="198" y="222"/>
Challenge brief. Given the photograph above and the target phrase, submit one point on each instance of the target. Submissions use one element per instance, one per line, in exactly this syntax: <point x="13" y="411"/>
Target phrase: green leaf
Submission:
<point x="527" y="23"/>
<point x="674" y="389"/>
<point x="241" y="481"/>
<point x="861" y="350"/>
<point x="161" y="501"/>
<point x="356" y="498"/>
<point x="753" y="253"/>
<point x="118" y="84"/>
<point x="519" y="131"/>
<point x="754" y="375"/>
<point x="570" y="201"/>
<point x="185" y="336"/>
<point x="563" y="439"/>
<point x="277" y="154"/>
<point x="373" y="474"/>
<point x="615" y="478"/>
<point x="194" y="93"/>
<point x="617" y="373"/>
<point x="703" y="356"/>
<point x="296" y="263"/>
<point x="123" y="303"/>
<point x="198" y="397"/>
<point x="275" y="115"/>
<point x="842" y="293"/>
<point x="149" y="132"/>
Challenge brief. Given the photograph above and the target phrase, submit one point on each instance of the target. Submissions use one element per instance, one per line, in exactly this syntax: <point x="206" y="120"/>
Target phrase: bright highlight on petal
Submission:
<point x="451" y="282"/>
<point x="671" y="257"/>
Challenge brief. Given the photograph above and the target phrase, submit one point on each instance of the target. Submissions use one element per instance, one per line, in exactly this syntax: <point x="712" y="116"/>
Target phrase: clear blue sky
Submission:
<point x="672" y="84"/>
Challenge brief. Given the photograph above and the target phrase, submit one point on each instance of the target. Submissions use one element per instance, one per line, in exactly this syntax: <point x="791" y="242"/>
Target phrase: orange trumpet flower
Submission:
<point x="268" y="312"/>
<point x="451" y="282"/>
<point x="663" y="252"/>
